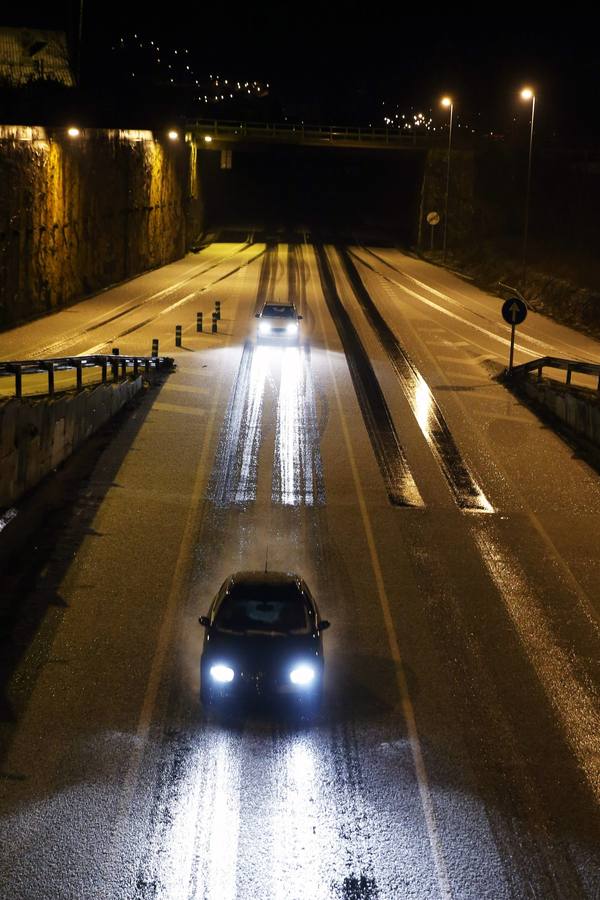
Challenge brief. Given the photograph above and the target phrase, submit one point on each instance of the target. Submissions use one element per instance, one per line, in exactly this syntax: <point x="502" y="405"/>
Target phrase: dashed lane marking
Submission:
<point x="186" y="388"/>
<point x="164" y="638"/>
<point x="178" y="408"/>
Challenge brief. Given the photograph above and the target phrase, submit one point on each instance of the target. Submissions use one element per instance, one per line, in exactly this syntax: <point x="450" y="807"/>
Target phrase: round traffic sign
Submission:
<point x="433" y="218"/>
<point x="514" y="311"/>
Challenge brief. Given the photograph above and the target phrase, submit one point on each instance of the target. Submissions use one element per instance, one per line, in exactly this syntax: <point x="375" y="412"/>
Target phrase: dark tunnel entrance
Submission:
<point x="342" y="191"/>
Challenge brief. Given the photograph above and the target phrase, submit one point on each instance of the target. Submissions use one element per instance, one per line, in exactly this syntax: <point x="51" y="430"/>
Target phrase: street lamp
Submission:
<point x="527" y="94"/>
<point x="447" y="102"/>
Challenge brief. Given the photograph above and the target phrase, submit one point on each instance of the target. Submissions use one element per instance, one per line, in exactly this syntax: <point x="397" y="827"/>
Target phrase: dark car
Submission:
<point x="278" y="322"/>
<point x="263" y="638"/>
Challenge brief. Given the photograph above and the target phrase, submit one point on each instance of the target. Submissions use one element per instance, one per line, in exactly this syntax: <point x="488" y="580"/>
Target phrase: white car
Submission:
<point x="278" y="322"/>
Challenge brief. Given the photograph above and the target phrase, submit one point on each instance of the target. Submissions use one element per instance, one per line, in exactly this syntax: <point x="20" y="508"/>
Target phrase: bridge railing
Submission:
<point x="118" y="366"/>
<point x="307" y="133"/>
<point x="567" y="365"/>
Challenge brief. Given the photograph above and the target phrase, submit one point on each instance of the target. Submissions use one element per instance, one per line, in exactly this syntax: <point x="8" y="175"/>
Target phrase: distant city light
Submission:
<point x="181" y="71"/>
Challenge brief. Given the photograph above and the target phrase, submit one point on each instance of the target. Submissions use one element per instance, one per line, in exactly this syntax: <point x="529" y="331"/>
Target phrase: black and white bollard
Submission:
<point x="218" y="310"/>
<point x="214" y="323"/>
<point x="154" y="346"/>
<point x="178" y="335"/>
<point x="199" y="322"/>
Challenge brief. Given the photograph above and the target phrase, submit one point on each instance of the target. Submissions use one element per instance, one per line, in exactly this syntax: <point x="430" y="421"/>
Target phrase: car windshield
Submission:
<point x="280" y="608"/>
<point x="283" y="312"/>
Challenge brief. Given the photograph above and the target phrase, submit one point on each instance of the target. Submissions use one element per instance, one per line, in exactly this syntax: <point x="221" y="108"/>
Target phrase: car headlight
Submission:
<point x="221" y="673"/>
<point x="302" y="675"/>
<point x="292" y="329"/>
<point x="264" y="328"/>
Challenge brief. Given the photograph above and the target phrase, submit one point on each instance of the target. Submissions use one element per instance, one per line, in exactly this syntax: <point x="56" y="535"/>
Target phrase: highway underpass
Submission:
<point x="449" y="536"/>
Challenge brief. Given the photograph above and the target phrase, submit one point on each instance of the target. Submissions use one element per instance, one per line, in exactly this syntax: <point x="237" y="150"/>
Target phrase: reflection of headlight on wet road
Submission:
<point x="302" y="675"/>
<point x="221" y="673"/>
<point x="292" y="329"/>
<point x="264" y="328"/>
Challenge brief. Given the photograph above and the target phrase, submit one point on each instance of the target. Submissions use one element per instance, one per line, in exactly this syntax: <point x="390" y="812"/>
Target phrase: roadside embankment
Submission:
<point x="562" y="295"/>
<point x="553" y="262"/>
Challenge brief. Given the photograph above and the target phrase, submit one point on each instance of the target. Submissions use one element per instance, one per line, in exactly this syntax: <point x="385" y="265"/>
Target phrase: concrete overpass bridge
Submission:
<point x="210" y="130"/>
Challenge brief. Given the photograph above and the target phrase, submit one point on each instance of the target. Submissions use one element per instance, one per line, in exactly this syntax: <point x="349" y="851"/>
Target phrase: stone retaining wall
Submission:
<point x="37" y="435"/>
<point x="79" y="214"/>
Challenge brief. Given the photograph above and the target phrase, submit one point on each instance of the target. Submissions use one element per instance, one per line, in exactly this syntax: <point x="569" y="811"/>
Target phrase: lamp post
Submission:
<point x="447" y="102"/>
<point x="527" y="94"/>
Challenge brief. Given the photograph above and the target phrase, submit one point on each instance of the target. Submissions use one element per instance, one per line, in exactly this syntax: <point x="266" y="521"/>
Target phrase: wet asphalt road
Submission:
<point x="449" y="537"/>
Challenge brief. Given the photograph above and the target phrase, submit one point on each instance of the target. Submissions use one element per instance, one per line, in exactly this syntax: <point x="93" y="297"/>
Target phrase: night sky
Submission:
<point x="325" y="65"/>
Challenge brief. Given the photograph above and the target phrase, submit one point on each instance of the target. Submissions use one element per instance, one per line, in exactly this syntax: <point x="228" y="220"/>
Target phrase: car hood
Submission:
<point x="256" y="652"/>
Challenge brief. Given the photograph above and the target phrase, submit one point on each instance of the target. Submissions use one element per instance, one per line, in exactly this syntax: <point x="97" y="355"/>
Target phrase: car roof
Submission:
<point x="273" y="579"/>
<point x="278" y="304"/>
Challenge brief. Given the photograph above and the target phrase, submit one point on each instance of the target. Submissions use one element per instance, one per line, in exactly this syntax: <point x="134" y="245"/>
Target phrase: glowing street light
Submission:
<point x="448" y="103"/>
<point x="208" y="138"/>
<point x="73" y="132"/>
<point x="528" y="94"/>
<point x="173" y="135"/>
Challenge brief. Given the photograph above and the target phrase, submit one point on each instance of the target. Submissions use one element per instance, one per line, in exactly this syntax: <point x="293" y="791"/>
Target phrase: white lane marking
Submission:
<point x="109" y="313"/>
<point x="461" y="375"/>
<point x="576" y="710"/>
<point x="169" y="386"/>
<point x="394" y="648"/>
<point x="178" y="408"/>
<point x="456" y="359"/>
<point x="443" y="296"/>
<point x="167" y="309"/>
<point x="447" y="312"/>
<point x="166" y="628"/>
<point x="589" y="611"/>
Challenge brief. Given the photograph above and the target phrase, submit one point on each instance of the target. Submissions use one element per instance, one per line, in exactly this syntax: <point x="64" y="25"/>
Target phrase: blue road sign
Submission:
<point x="514" y="311"/>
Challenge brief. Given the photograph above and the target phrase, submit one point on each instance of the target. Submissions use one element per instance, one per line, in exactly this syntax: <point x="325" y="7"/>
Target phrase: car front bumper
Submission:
<point x="249" y="686"/>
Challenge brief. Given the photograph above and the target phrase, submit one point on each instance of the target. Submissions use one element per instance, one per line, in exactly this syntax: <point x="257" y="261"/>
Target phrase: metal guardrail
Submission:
<point x="117" y="364"/>
<point x="308" y="133"/>
<point x="553" y="362"/>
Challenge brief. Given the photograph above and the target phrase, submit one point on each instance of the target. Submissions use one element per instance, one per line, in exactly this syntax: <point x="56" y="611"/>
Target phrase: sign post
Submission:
<point x="514" y="311"/>
<point x="433" y="219"/>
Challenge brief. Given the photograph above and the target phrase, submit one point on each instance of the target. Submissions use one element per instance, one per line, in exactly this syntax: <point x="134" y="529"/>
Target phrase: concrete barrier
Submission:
<point x="579" y="412"/>
<point x="37" y="435"/>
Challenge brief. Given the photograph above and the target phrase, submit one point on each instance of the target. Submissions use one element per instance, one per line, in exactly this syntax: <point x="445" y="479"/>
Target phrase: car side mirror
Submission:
<point x="323" y="624"/>
<point x="204" y="621"/>
<point x="300" y="317"/>
<point x="257" y="315"/>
